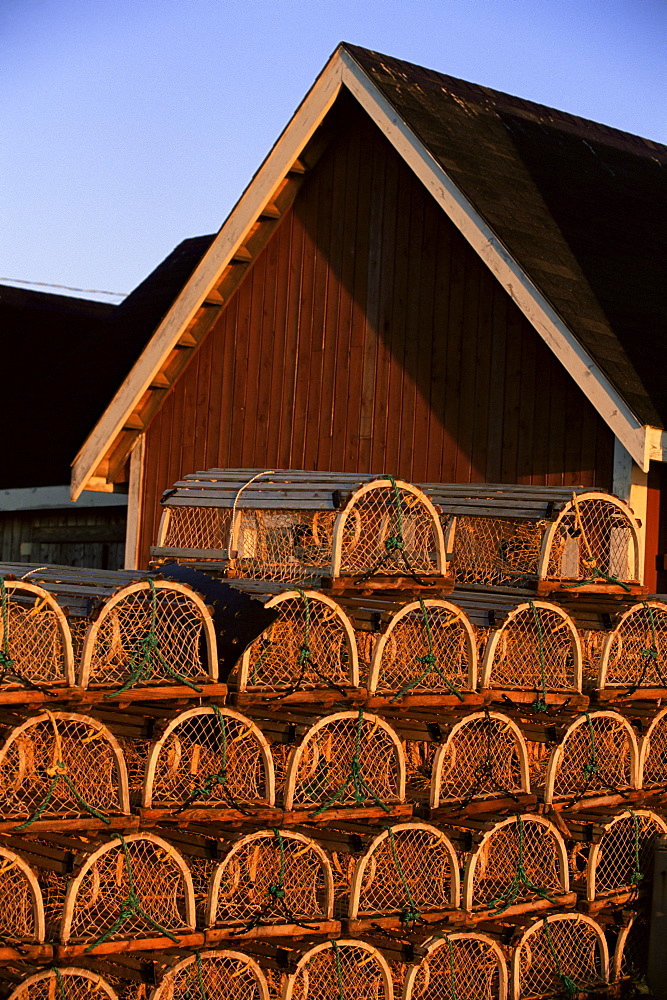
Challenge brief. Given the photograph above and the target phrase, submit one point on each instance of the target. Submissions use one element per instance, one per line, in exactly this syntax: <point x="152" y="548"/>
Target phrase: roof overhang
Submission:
<point x="199" y="302"/>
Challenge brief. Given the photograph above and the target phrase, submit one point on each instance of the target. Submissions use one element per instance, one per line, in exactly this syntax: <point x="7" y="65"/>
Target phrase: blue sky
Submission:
<point x="129" y="125"/>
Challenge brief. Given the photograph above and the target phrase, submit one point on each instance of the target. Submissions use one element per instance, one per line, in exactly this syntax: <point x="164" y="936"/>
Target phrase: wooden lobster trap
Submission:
<point x="21" y="904"/>
<point x="458" y="965"/>
<point x="409" y="871"/>
<point x="634" y="653"/>
<point x="303" y="527"/>
<point x="310" y="646"/>
<point x="598" y="756"/>
<point x="61" y="766"/>
<point x="520" y="863"/>
<point x="429" y="647"/>
<point x="630" y="959"/>
<point x="536" y="651"/>
<point x="213" y="975"/>
<point x="35" y="640"/>
<point x="347" y="759"/>
<point x="65" y="983"/>
<point x="275" y="879"/>
<point x="539" y="538"/>
<point x="483" y="757"/>
<point x="345" y="969"/>
<point x="653" y="754"/>
<point x="212" y="758"/>
<point x="621" y="855"/>
<point x="564" y="954"/>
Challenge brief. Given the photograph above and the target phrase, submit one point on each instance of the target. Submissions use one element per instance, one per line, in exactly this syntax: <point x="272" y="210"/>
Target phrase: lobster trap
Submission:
<point x="66" y="983"/>
<point x="311" y="645"/>
<point x="213" y="975"/>
<point x="35" y="640"/>
<point x="302" y="527"/>
<point x="340" y="970"/>
<point x="564" y="954"/>
<point x="598" y="755"/>
<point x="458" y="965"/>
<point x="622" y="856"/>
<point x="58" y="765"/>
<point x="408" y="870"/>
<point x="271" y="877"/>
<point x="484" y="756"/>
<point x="536" y="649"/>
<point x="346" y="759"/>
<point x="630" y="959"/>
<point x="428" y="647"/>
<point x="21" y="905"/>
<point x="538" y="538"/>
<point x="523" y="859"/>
<point x="634" y="653"/>
<point x="653" y="753"/>
<point x="209" y="757"/>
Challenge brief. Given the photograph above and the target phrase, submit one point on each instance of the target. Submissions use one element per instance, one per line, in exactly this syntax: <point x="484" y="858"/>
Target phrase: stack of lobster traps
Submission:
<point x="347" y="738"/>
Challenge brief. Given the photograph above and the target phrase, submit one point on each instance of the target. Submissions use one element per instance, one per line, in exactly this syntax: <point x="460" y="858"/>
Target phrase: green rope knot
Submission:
<point x="361" y="789"/>
<point x="276" y="892"/>
<point x="431" y="662"/>
<point x="304" y="655"/>
<point x="394" y="544"/>
<point x="538" y="706"/>
<point x="590" y="769"/>
<point x="428" y="659"/>
<point x="570" y="988"/>
<point x="637" y="873"/>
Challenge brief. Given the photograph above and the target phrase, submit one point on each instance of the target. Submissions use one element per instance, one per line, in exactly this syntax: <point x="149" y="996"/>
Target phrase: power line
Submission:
<point x="68" y="288"/>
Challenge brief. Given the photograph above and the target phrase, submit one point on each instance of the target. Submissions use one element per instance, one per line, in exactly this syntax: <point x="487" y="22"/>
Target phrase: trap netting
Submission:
<point x="21" y="905"/>
<point x="61" y="765"/>
<point x="634" y="654"/>
<point x="598" y="755"/>
<point x="495" y="552"/>
<point x="537" y="648"/>
<point x="131" y="887"/>
<point x="271" y="877"/>
<point x="653" y="754"/>
<point x="630" y="959"/>
<point x="458" y="967"/>
<point x="213" y="975"/>
<point x="408" y="869"/>
<point x="429" y="646"/>
<point x="35" y="641"/>
<point x="623" y="856"/>
<point x="64" y="984"/>
<point x="311" y="645"/>
<point x="346" y="759"/>
<point x="292" y="546"/>
<point x="209" y="757"/>
<point x="561" y="955"/>
<point x="202" y="529"/>
<point x="484" y="756"/>
<point x="340" y="970"/>
<point x="155" y="632"/>
<point x="594" y="540"/>
<point x="523" y="859"/>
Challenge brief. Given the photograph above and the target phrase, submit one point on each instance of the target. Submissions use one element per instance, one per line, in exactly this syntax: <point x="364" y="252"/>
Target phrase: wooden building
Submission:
<point x="426" y="278"/>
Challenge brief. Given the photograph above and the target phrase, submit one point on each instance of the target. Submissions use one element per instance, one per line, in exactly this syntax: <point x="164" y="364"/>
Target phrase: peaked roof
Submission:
<point x="564" y="211"/>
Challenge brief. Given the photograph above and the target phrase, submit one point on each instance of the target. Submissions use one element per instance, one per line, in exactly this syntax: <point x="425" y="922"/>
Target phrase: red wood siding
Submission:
<point x="369" y="337"/>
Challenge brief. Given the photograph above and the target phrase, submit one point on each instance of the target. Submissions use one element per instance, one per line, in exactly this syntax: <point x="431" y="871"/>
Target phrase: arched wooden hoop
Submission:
<point x="489" y="652"/>
<point x="557" y="752"/>
<point x="113" y="845"/>
<point x="442" y="752"/>
<point x="375" y="720"/>
<point x="594" y="853"/>
<point x="190" y="713"/>
<point x="468" y="902"/>
<point x="539" y="925"/>
<point x="66" y="636"/>
<point x="70" y="970"/>
<point x="163" y="527"/>
<point x="9" y="857"/>
<point x="610" y="638"/>
<point x="456" y="612"/>
<point x="619" y="951"/>
<point x="436" y="943"/>
<point x="214" y="884"/>
<point x="133" y="588"/>
<point x="362" y="864"/>
<point x="645" y="745"/>
<point x="387" y="982"/>
<point x="318" y="598"/>
<point x="376" y="484"/>
<point x="159" y="992"/>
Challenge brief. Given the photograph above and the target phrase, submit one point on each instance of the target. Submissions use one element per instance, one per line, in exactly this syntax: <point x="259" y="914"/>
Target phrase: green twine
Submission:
<point x="570" y="988"/>
<point x="41" y="809"/>
<point x="592" y="767"/>
<point x="277" y="889"/>
<point x="361" y="790"/>
<point x="395" y="542"/>
<point x="60" y="979"/>
<point x="650" y="655"/>
<point x="519" y="880"/>
<point x="219" y="778"/>
<point x="200" y="976"/>
<point x="130" y="907"/>
<point x="6" y="661"/>
<point x="452" y="976"/>
<point x="339" y="970"/>
<point x="146" y="651"/>
<point x="431" y="662"/>
<point x="540" y="704"/>
<point x="637" y="873"/>
<point x="410" y="915"/>
<point x="595" y="575"/>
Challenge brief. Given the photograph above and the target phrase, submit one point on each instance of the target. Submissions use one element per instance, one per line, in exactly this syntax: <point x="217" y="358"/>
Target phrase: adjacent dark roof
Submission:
<point x="581" y="207"/>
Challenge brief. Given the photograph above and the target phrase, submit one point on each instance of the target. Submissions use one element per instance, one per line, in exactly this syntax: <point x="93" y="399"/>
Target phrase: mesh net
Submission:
<point x="63" y="985"/>
<point x="198" y="528"/>
<point x="17" y="902"/>
<point x="289" y="545"/>
<point x="419" y="757"/>
<point x="347" y="761"/>
<point x="427" y="649"/>
<point x="272" y="879"/>
<point x="119" y="652"/>
<point x="634" y="948"/>
<point x="460" y="968"/>
<point x="494" y="552"/>
<point x="591" y="652"/>
<point x="45" y="765"/>
<point x="481" y="758"/>
<point x="210" y="758"/>
<point x="209" y="977"/>
<point x="655" y="759"/>
<point x="625" y="855"/>
<point x="538" y="760"/>
<point x="535" y="650"/>
<point x="306" y="647"/>
<point x="596" y="757"/>
<point x="637" y="654"/>
<point x="564" y="948"/>
<point x="517" y="863"/>
<point x="593" y="539"/>
<point x="340" y="972"/>
<point x="32" y="645"/>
